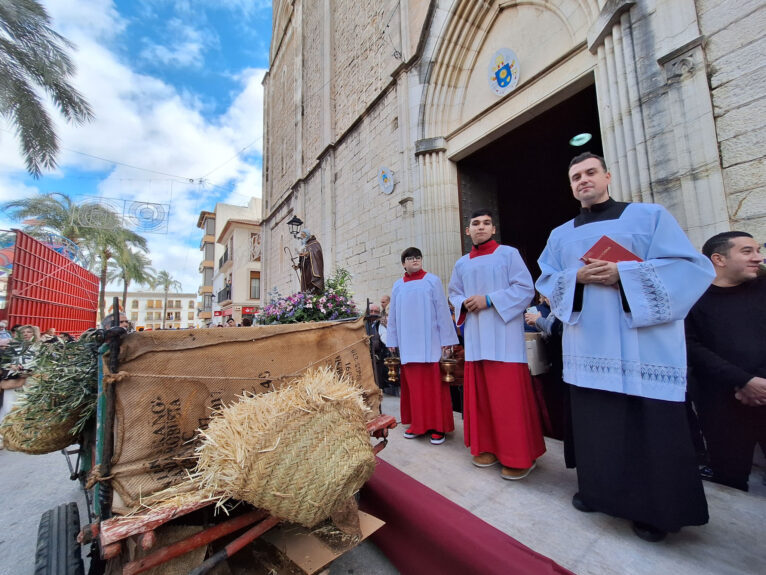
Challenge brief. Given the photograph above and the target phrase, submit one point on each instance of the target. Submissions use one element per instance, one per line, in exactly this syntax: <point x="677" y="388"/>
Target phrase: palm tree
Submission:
<point x="104" y="243"/>
<point x="52" y="212"/>
<point x="128" y="266"/>
<point x="33" y="56"/>
<point x="96" y="230"/>
<point x="165" y="281"/>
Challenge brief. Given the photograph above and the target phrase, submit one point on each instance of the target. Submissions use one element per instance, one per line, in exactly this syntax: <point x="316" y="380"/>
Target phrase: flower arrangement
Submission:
<point x="335" y="303"/>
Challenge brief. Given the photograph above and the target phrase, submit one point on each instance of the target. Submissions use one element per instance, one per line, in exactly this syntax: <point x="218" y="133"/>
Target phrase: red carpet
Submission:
<point x="425" y="533"/>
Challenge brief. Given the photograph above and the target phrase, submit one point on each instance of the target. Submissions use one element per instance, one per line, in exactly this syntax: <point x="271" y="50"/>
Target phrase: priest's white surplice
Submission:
<point x="637" y="352"/>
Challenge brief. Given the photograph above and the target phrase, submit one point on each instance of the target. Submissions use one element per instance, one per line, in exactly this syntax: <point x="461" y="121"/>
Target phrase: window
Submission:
<point x="210" y="226"/>
<point x="158" y="303"/>
<point x="169" y="315"/>
<point x="134" y="316"/>
<point x="209" y="252"/>
<point x="177" y="316"/>
<point x="207" y="277"/>
<point x="191" y="316"/>
<point x="255" y="247"/>
<point x="149" y="304"/>
<point x="255" y="285"/>
<point x="134" y="304"/>
<point x="191" y="303"/>
<point x="178" y="304"/>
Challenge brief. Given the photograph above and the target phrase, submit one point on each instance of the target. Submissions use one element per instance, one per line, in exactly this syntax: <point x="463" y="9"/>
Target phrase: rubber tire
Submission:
<point x="58" y="552"/>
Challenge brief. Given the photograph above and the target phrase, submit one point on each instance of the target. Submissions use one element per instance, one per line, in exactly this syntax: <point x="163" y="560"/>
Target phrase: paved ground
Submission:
<point x="538" y="512"/>
<point x="29" y="486"/>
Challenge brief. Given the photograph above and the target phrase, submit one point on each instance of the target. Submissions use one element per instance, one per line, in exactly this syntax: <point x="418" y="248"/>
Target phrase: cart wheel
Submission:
<point x="58" y="552"/>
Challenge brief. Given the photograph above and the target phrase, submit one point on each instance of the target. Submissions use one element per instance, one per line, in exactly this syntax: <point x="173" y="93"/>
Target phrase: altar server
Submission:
<point x="420" y="326"/>
<point x="624" y="354"/>
<point x="490" y="288"/>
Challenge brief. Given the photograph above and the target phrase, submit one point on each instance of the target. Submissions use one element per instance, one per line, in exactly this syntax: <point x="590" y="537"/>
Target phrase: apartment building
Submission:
<point x="231" y="264"/>
<point x="146" y="309"/>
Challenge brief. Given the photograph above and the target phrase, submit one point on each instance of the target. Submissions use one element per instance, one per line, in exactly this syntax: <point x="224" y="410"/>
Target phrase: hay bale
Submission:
<point x="299" y="452"/>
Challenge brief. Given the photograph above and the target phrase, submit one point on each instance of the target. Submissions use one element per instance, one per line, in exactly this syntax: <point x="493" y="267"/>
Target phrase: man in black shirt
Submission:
<point x="725" y="338"/>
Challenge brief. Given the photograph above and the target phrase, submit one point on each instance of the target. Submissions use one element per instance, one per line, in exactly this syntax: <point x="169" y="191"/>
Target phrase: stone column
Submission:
<point x="666" y="119"/>
<point x="437" y="214"/>
<point x="619" y="101"/>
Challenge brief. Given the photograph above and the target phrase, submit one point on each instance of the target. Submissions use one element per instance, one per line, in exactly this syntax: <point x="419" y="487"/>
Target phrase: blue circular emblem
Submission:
<point x="503" y="71"/>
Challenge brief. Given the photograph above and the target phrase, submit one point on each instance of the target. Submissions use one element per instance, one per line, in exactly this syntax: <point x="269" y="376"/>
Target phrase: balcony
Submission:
<point x="205" y="289"/>
<point x="224" y="295"/>
<point x="205" y="264"/>
<point x="224" y="258"/>
<point x="206" y="239"/>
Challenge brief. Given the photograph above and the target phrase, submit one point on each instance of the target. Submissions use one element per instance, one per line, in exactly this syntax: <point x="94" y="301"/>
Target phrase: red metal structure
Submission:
<point x="47" y="289"/>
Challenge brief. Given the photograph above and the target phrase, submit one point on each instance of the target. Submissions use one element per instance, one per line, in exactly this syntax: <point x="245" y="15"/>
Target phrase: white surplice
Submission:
<point x="419" y="320"/>
<point x="495" y="333"/>
<point x="640" y="352"/>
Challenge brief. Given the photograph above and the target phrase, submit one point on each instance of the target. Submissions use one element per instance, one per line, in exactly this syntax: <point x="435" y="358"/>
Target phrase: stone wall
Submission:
<point x="281" y="143"/>
<point x="367" y="232"/>
<point x="735" y="48"/>
<point x="314" y="106"/>
<point x="363" y="45"/>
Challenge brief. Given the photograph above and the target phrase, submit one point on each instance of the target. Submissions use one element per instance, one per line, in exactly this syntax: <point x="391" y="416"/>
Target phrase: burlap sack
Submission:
<point x="171" y="381"/>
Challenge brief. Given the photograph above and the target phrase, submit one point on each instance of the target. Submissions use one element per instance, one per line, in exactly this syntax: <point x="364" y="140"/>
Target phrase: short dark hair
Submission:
<point x="482" y="212"/>
<point x="721" y="244"/>
<point x="246" y="322"/>
<point x="411" y="252"/>
<point x="586" y="155"/>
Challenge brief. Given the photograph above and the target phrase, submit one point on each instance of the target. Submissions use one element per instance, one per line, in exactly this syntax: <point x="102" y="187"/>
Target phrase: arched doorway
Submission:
<point x="522" y="176"/>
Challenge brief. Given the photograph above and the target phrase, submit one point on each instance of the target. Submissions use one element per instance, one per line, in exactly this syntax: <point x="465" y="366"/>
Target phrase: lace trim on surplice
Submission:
<point x="648" y="373"/>
<point x="655" y="294"/>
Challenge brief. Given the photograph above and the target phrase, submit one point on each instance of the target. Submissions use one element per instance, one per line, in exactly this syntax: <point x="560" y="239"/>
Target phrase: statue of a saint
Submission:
<point x="311" y="263"/>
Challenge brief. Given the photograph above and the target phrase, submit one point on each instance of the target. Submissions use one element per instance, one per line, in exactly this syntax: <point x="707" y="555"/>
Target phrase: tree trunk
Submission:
<point x="125" y="282"/>
<point x="102" y="290"/>
<point x="165" y="309"/>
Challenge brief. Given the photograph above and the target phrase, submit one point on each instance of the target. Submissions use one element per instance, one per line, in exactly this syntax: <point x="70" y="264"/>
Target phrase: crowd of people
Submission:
<point x="623" y="325"/>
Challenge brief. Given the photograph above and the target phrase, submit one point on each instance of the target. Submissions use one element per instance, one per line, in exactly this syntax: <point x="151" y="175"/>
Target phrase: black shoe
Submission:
<point x="580" y="505"/>
<point x="648" y="532"/>
<point x="706" y="473"/>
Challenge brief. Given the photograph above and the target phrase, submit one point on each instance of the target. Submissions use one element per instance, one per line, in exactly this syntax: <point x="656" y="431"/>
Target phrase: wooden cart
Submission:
<point x="131" y="546"/>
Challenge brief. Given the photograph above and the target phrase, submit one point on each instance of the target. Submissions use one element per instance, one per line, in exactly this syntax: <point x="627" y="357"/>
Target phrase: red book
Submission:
<point x="606" y="249"/>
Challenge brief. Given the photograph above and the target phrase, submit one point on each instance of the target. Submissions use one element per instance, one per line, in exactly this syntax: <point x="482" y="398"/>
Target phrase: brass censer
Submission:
<point x="392" y="363"/>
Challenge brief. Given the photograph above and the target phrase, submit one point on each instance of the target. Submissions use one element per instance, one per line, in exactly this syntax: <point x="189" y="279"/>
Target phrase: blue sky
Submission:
<point x="176" y="90"/>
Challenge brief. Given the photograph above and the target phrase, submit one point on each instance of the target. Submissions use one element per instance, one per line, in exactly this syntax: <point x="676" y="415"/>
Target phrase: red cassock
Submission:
<point x="425" y="402"/>
<point x="500" y="413"/>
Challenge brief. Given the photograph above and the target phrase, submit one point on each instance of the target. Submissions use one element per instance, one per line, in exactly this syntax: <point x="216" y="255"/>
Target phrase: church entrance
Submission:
<point x="522" y="176"/>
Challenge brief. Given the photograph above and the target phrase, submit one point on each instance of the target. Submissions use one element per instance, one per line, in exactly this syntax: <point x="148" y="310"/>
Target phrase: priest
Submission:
<point x="420" y="326"/>
<point x="490" y="288"/>
<point x="624" y="354"/>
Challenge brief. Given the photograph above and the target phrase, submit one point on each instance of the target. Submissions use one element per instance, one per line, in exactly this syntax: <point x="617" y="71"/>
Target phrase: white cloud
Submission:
<point x="185" y="47"/>
<point x="143" y="121"/>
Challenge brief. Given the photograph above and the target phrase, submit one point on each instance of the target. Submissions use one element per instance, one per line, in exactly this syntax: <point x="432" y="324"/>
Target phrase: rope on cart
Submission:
<point x="118" y="377"/>
<point x="95" y="477"/>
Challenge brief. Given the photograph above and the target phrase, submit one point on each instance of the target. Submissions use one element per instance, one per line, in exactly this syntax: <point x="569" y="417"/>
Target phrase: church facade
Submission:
<point x="388" y="121"/>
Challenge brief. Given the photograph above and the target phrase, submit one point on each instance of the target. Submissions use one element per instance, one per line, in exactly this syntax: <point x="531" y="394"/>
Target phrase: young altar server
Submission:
<point x="490" y="289"/>
<point x="624" y="354"/>
<point x="420" y="325"/>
